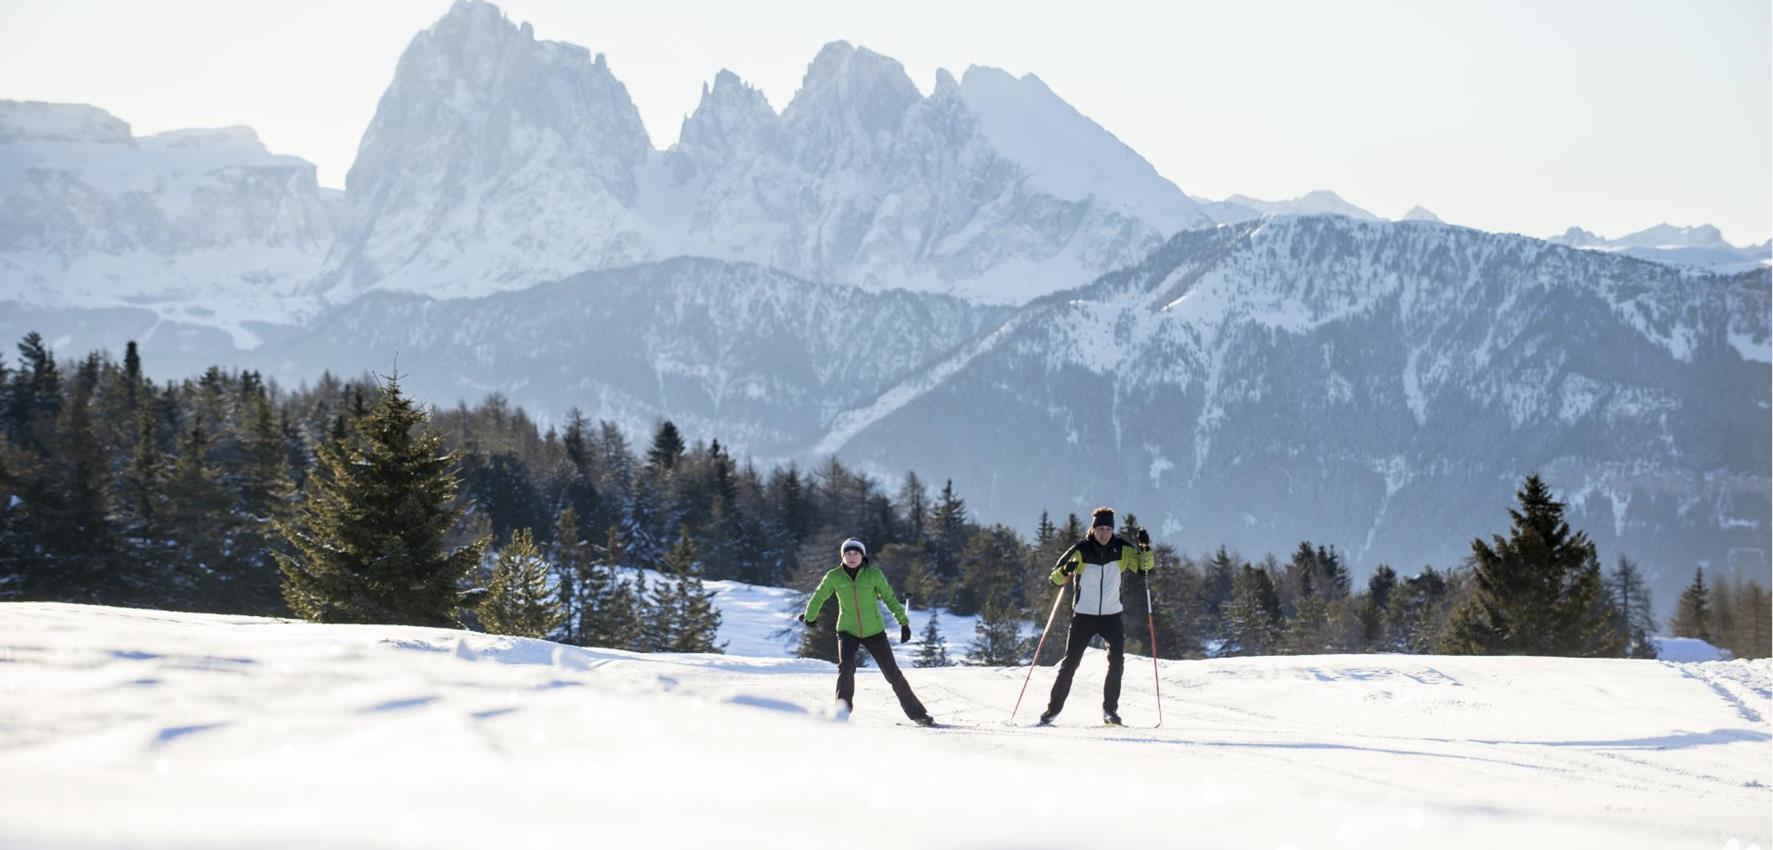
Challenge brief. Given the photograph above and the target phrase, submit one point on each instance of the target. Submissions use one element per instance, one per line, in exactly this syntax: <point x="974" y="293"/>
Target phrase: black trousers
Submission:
<point x="1084" y="627"/>
<point x="882" y="652"/>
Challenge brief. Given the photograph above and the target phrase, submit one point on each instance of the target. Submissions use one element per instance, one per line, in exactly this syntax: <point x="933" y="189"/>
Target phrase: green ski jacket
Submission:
<point x="857" y="612"/>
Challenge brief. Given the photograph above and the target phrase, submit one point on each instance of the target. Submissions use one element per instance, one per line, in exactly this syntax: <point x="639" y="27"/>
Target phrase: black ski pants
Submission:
<point x="1084" y="627"/>
<point x="882" y="652"/>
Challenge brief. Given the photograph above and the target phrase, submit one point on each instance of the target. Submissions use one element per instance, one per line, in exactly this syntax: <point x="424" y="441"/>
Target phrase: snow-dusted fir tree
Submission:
<point x="520" y="601"/>
<point x="368" y="539"/>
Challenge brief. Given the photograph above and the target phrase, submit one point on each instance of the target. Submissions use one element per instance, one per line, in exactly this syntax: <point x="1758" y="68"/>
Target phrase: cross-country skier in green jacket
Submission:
<point x="859" y="589"/>
<point x="1096" y="563"/>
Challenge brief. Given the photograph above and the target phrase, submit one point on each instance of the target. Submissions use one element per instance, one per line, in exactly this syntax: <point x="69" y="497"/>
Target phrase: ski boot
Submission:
<point x="1110" y="718"/>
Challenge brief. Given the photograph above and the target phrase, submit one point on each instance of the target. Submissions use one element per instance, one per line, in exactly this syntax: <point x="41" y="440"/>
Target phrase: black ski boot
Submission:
<point x="1046" y="718"/>
<point x="925" y="720"/>
<point x="1110" y="718"/>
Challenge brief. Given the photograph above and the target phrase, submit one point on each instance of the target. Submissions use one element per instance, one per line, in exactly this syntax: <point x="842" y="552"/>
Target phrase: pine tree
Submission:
<point x="142" y="480"/>
<point x="368" y="539"/>
<point x="1692" y="617"/>
<point x="519" y="601"/>
<point x="1253" y="616"/>
<point x="1632" y="615"/>
<point x="1537" y="592"/>
<point x="1220" y="581"/>
<point x="667" y="448"/>
<point x="571" y="566"/>
<point x="696" y="626"/>
<point x="1375" y="636"/>
<point x="991" y="564"/>
<point x="997" y="636"/>
<point x="914" y="504"/>
<point x="612" y="613"/>
<point x="947" y="536"/>
<point x="932" y="650"/>
<point x="200" y="523"/>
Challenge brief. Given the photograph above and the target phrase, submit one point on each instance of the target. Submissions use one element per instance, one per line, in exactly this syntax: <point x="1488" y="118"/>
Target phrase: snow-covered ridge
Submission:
<point x="1702" y="246"/>
<point x="148" y="720"/>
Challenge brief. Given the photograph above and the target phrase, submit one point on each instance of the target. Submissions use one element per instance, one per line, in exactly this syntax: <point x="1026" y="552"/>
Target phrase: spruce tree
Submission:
<point x="667" y="448"/>
<point x="1375" y="636"/>
<point x="1253" y="616"/>
<point x="368" y="539"/>
<point x="932" y="650"/>
<point x="201" y="524"/>
<point x="519" y="601"/>
<point x="947" y="536"/>
<point x="613" y="613"/>
<point x="1538" y="591"/>
<point x="997" y="636"/>
<point x="142" y="480"/>
<point x="1692" y="617"/>
<point x="571" y="564"/>
<point x="695" y="620"/>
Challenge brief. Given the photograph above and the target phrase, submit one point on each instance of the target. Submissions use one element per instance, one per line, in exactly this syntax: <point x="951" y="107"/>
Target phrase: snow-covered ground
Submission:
<point x="126" y="728"/>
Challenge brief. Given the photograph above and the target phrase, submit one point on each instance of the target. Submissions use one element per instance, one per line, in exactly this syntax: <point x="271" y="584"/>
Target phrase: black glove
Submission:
<point x="811" y="621"/>
<point x="905" y="634"/>
<point x="1144" y="539"/>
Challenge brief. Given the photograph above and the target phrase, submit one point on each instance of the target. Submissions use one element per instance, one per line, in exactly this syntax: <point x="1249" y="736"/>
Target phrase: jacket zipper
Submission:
<point x="857" y="596"/>
<point x="1101" y="581"/>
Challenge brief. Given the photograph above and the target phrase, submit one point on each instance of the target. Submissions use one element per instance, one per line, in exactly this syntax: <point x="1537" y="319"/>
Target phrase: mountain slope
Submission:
<point x="1381" y="387"/>
<point x="752" y="356"/>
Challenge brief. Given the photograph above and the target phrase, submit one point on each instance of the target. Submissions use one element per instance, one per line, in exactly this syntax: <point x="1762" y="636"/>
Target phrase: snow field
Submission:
<point x="124" y="728"/>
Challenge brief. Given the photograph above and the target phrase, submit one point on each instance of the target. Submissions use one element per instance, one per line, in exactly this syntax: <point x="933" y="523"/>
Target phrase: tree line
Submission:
<point x="345" y="501"/>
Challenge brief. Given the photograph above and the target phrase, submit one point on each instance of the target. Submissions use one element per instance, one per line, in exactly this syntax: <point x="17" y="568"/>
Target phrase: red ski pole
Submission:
<point x="1156" y="685"/>
<point x="1037" y="646"/>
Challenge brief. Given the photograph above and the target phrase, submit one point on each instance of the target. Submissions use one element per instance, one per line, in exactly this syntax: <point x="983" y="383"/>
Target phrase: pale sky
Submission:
<point x="1513" y="116"/>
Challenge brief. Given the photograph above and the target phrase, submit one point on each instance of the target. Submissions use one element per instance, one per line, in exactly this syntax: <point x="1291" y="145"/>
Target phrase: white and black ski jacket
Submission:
<point x="1096" y="568"/>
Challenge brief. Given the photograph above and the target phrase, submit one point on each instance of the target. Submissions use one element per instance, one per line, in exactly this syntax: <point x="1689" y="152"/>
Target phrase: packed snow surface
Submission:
<point x="130" y="728"/>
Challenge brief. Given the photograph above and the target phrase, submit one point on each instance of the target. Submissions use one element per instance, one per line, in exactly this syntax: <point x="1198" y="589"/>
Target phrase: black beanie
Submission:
<point x="1102" y="516"/>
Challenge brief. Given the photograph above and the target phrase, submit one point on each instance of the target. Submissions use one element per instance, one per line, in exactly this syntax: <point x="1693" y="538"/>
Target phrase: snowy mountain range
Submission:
<point x="955" y="282"/>
<point x="1378" y="386"/>
<point x="1697" y="247"/>
<point x="497" y="161"/>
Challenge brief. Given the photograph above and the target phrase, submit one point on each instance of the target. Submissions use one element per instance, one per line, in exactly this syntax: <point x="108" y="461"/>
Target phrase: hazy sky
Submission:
<point x="1512" y="116"/>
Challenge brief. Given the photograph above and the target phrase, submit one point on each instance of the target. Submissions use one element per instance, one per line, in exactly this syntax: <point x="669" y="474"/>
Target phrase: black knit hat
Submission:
<point x="1102" y="516"/>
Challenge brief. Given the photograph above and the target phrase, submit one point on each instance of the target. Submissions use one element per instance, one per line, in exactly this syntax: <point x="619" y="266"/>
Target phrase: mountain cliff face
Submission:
<point x="496" y="161"/>
<point x="198" y="224"/>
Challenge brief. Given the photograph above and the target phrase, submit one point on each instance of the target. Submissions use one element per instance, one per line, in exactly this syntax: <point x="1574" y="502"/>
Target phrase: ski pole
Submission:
<point x="1151" y="624"/>
<point x="1037" y="646"/>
